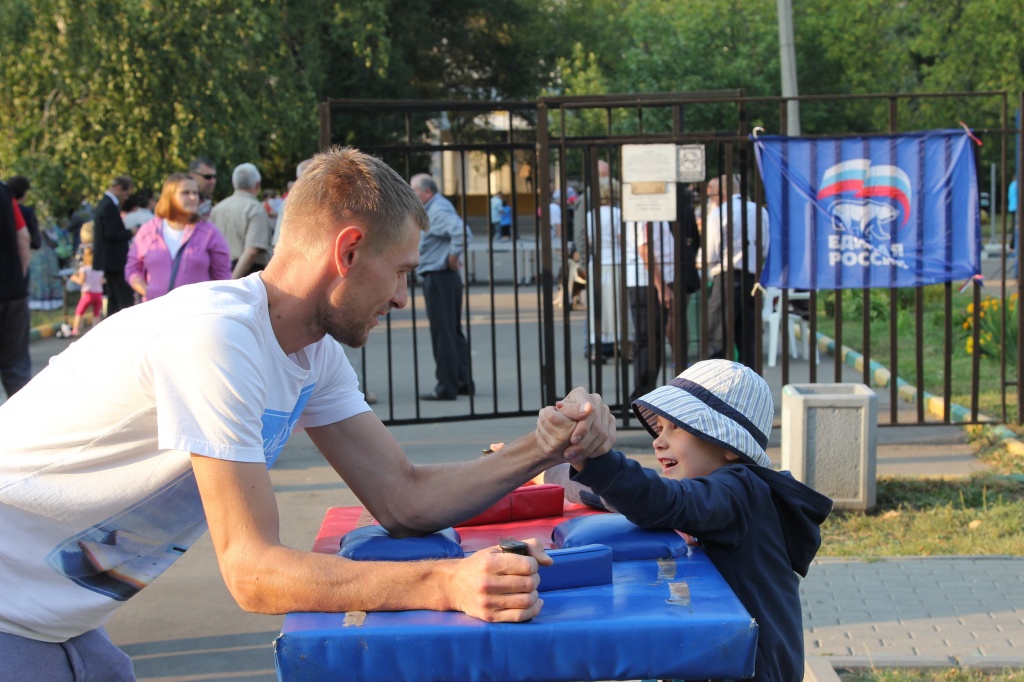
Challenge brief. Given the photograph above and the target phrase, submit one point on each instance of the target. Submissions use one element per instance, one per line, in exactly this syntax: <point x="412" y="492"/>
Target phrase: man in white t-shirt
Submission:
<point x="650" y="270"/>
<point x="163" y="421"/>
<point x="740" y="255"/>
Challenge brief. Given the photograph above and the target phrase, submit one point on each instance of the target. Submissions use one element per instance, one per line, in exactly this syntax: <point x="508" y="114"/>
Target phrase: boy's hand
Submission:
<point x="498" y="587"/>
<point x="579" y="427"/>
<point x="554" y="429"/>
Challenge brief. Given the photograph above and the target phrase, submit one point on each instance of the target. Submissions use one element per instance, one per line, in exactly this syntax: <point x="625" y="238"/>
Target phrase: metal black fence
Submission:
<point x="531" y="340"/>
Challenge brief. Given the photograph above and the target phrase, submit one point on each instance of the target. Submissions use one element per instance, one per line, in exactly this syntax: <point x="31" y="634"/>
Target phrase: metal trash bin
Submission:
<point x="829" y="440"/>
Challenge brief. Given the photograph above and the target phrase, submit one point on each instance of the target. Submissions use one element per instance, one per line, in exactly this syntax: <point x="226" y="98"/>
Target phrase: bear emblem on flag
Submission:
<point x="858" y="186"/>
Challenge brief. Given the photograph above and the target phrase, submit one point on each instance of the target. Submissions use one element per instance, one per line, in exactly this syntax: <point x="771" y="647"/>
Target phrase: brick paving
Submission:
<point x="915" y="611"/>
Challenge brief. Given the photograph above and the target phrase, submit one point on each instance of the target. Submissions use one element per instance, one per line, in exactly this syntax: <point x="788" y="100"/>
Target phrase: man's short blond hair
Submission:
<point x="344" y="185"/>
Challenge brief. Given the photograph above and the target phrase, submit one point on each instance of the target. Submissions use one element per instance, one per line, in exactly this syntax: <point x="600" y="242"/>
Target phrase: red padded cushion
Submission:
<point x="527" y="502"/>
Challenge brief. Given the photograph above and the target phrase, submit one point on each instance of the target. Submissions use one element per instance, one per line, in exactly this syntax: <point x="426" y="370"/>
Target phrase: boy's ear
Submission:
<point x="731" y="456"/>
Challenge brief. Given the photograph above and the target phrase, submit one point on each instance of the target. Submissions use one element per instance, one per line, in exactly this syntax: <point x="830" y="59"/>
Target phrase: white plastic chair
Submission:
<point x="771" y="316"/>
<point x="802" y="324"/>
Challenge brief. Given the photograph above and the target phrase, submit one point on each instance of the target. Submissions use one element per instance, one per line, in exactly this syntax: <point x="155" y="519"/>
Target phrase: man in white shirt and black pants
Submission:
<point x="741" y="256"/>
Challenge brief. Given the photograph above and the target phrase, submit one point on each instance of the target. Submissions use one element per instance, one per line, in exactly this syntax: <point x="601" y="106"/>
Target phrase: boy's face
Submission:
<point x="683" y="455"/>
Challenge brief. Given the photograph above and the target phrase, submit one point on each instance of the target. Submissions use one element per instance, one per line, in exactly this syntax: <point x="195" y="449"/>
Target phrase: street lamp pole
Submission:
<point x="787" y="58"/>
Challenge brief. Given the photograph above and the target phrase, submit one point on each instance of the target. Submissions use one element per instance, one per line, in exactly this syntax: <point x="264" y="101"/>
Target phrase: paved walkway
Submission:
<point x="916" y="612"/>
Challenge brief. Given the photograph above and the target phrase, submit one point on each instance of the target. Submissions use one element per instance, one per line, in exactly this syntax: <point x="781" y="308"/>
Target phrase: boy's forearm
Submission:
<point x="575" y="492"/>
<point x="623" y="485"/>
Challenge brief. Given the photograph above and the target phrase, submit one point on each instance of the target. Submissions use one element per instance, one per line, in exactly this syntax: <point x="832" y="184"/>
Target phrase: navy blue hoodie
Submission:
<point x="758" y="526"/>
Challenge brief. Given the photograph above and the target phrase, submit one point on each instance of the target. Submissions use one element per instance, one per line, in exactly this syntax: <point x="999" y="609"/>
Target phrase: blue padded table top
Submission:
<point x="669" y="618"/>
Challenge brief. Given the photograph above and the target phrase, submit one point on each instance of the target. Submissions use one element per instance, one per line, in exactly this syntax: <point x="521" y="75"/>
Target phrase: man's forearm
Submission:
<point x="444" y="495"/>
<point x="245" y="262"/>
<point x="24" y="250"/>
<point x="453" y="493"/>
<point x="285" y="580"/>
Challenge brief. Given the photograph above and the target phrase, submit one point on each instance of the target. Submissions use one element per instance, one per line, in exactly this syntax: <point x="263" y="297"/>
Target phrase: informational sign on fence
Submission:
<point x="648" y="201"/>
<point x="690" y="166"/>
<point x="649" y="162"/>
<point x="649" y="182"/>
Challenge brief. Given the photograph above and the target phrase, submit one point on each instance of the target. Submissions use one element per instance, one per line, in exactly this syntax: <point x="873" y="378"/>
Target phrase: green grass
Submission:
<point x="943" y="675"/>
<point x="982" y="515"/>
<point x="933" y="333"/>
<point x="992" y="451"/>
<point x="41" y="318"/>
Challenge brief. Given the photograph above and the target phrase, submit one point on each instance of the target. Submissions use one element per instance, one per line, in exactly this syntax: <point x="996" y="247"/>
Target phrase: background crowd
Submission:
<point x="135" y="244"/>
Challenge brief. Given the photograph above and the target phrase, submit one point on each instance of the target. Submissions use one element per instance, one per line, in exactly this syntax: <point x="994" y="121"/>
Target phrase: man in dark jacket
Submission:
<point x="19" y="186"/>
<point x="110" y="245"/>
<point x="15" y="361"/>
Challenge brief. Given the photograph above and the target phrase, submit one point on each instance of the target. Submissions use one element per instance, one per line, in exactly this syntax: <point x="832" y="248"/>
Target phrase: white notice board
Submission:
<point x="649" y="201"/>
<point x="649" y="162"/>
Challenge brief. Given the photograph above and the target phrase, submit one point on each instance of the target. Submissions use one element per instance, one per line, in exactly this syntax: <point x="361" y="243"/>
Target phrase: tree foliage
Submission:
<point x="93" y="88"/>
<point x="858" y="47"/>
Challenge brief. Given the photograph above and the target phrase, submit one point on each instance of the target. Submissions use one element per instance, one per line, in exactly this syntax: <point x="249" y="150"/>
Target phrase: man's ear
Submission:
<point x="347" y="246"/>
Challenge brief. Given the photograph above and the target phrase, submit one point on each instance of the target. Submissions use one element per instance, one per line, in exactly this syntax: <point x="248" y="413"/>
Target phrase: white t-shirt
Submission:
<point x="607" y="243"/>
<point x="97" y="494"/>
<point x="173" y="238"/>
<point x="138" y="218"/>
<point x="555" y="211"/>
<point x="93" y="280"/>
<point x="663" y="251"/>
<point x="717" y="233"/>
<point x="496" y="205"/>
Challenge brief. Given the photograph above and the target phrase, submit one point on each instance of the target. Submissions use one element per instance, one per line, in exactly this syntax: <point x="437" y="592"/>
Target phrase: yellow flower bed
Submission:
<point x="989" y="318"/>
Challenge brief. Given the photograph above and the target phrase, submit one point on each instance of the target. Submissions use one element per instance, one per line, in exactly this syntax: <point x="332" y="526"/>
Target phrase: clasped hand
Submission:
<point x="576" y="428"/>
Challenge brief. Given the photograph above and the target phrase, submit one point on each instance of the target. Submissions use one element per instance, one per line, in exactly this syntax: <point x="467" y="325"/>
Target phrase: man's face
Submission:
<point x="374" y="285"/>
<point x="122" y="193"/>
<point x="206" y="179"/>
<point x="712" y="190"/>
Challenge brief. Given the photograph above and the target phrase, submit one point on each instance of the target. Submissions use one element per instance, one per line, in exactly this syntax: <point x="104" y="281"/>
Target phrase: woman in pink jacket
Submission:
<point x="176" y="247"/>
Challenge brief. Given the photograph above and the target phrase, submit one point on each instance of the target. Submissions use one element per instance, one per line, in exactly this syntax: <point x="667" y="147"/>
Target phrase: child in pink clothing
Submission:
<point x="91" y="282"/>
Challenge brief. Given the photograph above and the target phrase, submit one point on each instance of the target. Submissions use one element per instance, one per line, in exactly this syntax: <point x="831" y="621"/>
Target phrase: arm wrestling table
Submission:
<point x="664" y="618"/>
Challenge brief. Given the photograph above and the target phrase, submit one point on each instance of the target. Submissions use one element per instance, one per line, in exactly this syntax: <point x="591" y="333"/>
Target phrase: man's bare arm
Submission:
<point x="265" y="576"/>
<point x="410" y="499"/>
<point x="245" y="262"/>
<point x="24" y="249"/>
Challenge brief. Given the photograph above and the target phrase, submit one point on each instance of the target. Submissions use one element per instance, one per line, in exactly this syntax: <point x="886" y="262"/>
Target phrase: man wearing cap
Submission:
<point x="759" y="527"/>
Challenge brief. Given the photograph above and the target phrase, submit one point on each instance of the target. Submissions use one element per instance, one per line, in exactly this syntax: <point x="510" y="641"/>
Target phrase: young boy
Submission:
<point x="758" y="526"/>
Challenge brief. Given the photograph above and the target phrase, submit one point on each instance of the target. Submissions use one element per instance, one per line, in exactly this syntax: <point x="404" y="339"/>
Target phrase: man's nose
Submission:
<point x="401" y="297"/>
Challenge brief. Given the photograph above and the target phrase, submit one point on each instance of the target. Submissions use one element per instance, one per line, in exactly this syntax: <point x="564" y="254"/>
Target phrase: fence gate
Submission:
<point x="536" y="331"/>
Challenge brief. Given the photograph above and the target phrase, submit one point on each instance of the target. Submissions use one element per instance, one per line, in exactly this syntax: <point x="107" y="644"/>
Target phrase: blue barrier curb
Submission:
<point x="882" y="377"/>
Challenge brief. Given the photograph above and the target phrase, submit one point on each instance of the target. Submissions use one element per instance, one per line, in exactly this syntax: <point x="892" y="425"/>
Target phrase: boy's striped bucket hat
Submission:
<point x="718" y="401"/>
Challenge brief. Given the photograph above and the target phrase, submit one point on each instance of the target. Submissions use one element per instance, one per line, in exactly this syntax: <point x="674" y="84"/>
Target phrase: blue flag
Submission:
<point x="873" y="211"/>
